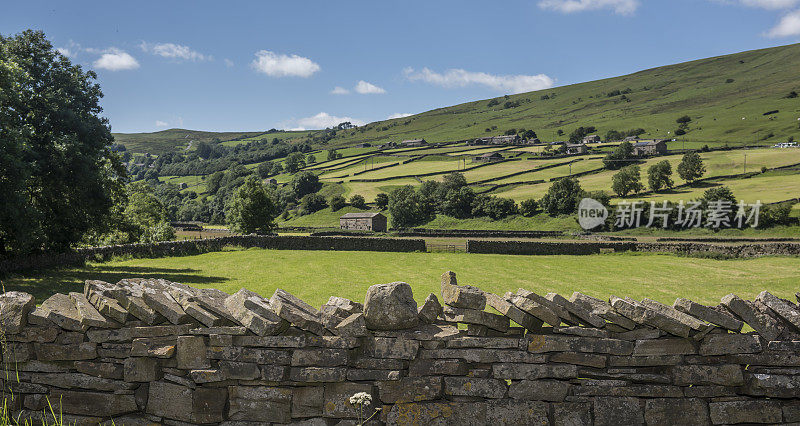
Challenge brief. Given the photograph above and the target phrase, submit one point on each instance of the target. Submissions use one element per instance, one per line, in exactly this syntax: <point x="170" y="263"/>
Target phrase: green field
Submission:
<point x="316" y="275"/>
<point x="173" y="139"/>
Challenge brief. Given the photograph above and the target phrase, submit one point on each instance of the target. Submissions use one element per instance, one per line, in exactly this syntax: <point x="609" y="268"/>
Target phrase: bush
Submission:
<point x="776" y="214"/>
<point x="305" y="183"/>
<point x="659" y="176"/>
<point x="627" y="181"/>
<point x="494" y="207"/>
<point x="680" y="132"/>
<point x="684" y="120"/>
<point x="382" y="200"/>
<point x="337" y="202"/>
<point x="691" y="167"/>
<point x="312" y="203"/>
<point x="358" y="202"/>
<point x="562" y="197"/>
<point x="409" y="208"/>
<point x="529" y="207"/>
<point x="620" y="157"/>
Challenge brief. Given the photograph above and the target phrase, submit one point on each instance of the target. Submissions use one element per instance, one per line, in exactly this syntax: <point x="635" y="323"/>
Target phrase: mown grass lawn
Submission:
<point x="316" y="275"/>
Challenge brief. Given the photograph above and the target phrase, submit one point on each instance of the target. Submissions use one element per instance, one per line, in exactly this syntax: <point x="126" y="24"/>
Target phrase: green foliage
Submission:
<point x="252" y="208"/>
<point x="562" y="197"/>
<point x="659" y="176"/>
<point x="620" y="157"/>
<point x="409" y="208"/>
<point x="337" y="202"/>
<point x="495" y="208"/>
<point x="382" y="200"/>
<point x="529" y="207"/>
<point x="58" y="175"/>
<point x="358" y="202"/>
<point x="777" y="215"/>
<point x="578" y="134"/>
<point x="791" y="95"/>
<point x="311" y="159"/>
<point x="305" y="183"/>
<point x="684" y="120"/>
<point x="295" y="161"/>
<point x="627" y="181"/>
<point x="334" y="155"/>
<point x="311" y="203"/>
<point x="691" y="167"/>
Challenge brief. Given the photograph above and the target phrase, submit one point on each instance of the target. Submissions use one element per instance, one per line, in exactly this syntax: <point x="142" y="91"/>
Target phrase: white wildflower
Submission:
<point x="361" y="398"/>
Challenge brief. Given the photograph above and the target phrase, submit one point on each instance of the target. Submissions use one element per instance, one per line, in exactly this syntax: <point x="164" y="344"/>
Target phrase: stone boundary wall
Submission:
<point x="190" y="247"/>
<point x="149" y="351"/>
<point x="583" y="248"/>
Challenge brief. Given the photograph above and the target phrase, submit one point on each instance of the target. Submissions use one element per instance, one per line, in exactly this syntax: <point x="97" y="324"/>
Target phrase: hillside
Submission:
<point x="173" y="139"/>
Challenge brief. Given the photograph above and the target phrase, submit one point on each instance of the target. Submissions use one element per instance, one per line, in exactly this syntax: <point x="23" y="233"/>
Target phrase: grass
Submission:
<point x="316" y="275"/>
<point x="173" y="139"/>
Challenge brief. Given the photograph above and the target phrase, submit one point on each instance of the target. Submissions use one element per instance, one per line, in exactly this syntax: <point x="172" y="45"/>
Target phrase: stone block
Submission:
<point x="274" y="373"/>
<point x="298" y="313"/>
<point x="601" y="308"/>
<point x="746" y="411"/>
<point x="437" y="367"/>
<point x="724" y="344"/>
<point x="62" y="312"/>
<point x="260" y="403"/>
<point x="394" y="348"/>
<point x="578" y="358"/>
<point x="14" y="309"/>
<point x="556" y="343"/>
<point x="642" y="314"/>
<point x="207" y="376"/>
<point x="142" y="370"/>
<point x="725" y="375"/>
<point x="539" y="390"/>
<point x="352" y="326"/>
<point x="476" y="387"/>
<point x="254" y="312"/>
<point x="457" y="296"/>
<point x="243" y="354"/>
<point x="318" y="374"/>
<point x="676" y="411"/>
<point x="106" y="370"/>
<point x="88" y="314"/>
<point x="517" y="371"/>
<point x="471" y="316"/>
<point x="358" y="375"/>
<point x="156" y="294"/>
<point x="153" y="347"/>
<point x="537" y="306"/>
<point x="319" y="357"/>
<point x="747" y="312"/>
<point x="56" y="352"/>
<point x="430" y="310"/>
<point x="782" y="308"/>
<point x="233" y="370"/>
<point x="208" y="405"/>
<point x="94" y="403"/>
<point x="337" y="399"/>
<point x="614" y="411"/>
<point x="705" y="313"/>
<point x="410" y="389"/>
<point x="33" y="333"/>
<point x="130" y="294"/>
<point x="191" y="353"/>
<point x="773" y="385"/>
<point x="682" y="317"/>
<point x="664" y="347"/>
<point x="308" y="401"/>
<point x="508" y="309"/>
<point x="572" y="414"/>
<point x="390" y="307"/>
<point x="586" y="316"/>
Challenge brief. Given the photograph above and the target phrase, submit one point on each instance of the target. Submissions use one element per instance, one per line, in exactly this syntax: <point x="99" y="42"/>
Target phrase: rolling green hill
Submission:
<point x="174" y="139"/>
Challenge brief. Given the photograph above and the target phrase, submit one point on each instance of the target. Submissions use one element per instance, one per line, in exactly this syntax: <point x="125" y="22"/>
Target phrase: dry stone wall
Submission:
<point x="149" y="351"/>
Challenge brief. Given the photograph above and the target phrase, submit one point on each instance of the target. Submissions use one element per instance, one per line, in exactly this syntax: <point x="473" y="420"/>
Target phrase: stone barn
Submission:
<point x="364" y="222"/>
<point x="647" y="148"/>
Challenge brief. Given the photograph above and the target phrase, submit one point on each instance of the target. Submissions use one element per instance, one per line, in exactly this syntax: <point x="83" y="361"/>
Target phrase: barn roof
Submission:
<point x="360" y="215"/>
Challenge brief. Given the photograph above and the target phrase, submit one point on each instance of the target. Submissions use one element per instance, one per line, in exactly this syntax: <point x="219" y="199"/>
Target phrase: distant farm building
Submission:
<point x="785" y="145"/>
<point x="364" y="222"/>
<point x="500" y="140"/>
<point x="576" y="149"/>
<point x="591" y="139"/>
<point x="414" y="142"/>
<point x="646" y="148"/>
<point x="489" y="157"/>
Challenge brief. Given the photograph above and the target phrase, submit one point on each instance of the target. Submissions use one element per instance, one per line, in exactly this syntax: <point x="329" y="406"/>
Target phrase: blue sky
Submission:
<point x="310" y="64"/>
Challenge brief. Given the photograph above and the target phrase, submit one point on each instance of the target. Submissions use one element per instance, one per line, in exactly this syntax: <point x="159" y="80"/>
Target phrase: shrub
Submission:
<point x="409" y="208"/>
<point x="382" y="200"/>
<point x="680" y="132"/>
<point x="494" y="207"/>
<point x="337" y="202"/>
<point x="684" y="120"/>
<point x="529" y="207"/>
<point x="311" y="203"/>
<point x="691" y="167"/>
<point x="659" y="176"/>
<point x="305" y="183"/>
<point x="627" y="181"/>
<point x="562" y="197"/>
<point x="358" y="202"/>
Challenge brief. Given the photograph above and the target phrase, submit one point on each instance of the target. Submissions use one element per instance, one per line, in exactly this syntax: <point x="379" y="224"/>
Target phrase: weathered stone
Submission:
<point x="539" y="390"/>
<point x="585" y="315"/>
<point x="297" y="312"/>
<point x="682" y="317"/>
<point x="640" y="333"/>
<point x="33" y="333"/>
<point x="186" y="297"/>
<point x="358" y="375"/>
<point x="94" y="403"/>
<point x="471" y="316"/>
<point x="114" y="350"/>
<point x="470" y="386"/>
<point x="483" y="342"/>
<point x="319" y="357"/>
<point x="437" y="367"/>
<point x="170" y="401"/>
<point x="352" y="326"/>
<point x="390" y="307"/>
<point x="537" y="306"/>
<point x="139" y="369"/>
<point x="89" y="315"/>
<point x="724" y="344"/>
<point x="572" y="414"/>
<point x="625" y="388"/>
<point x="430" y="310"/>
<point x="261" y="403"/>
<point x="582" y="331"/>
<point x="318" y="374"/>
<point x="55" y="352"/>
<point x="726" y="375"/>
<point x="14" y="309"/>
<point x="241" y="354"/>
<point x="440" y="332"/>
<point x="747" y="411"/>
<point x="337" y="399"/>
<point x="387" y="347"/>
<point x="784" y="345"/>
<point x="99" y="294"/>
<point x="601" y="308"/>
<point x="62" y="312"/>
<point x="514" y="313"/>
<point x="515" y="371"/>
<point x="78" y="381"/>
<point x="762" y="324"/>
<point x="274" y="373"/>
<point x="644" y="361"/>
<point x="308" y="401"/>
<point x="484" y="356"/>
<point x="672" y="411"/>
<point x="207" y="376"/>
<point x="253" y="311"/>
<point x="191" y="353"/>
<point x="664" y="347"/>
<point x="782" y="308"/>
<point x="213" y="301"/>
<point x="345" y="304"/>
<point x="644" y="315"/>
<point x="156" y="294"/>
<point x="501" y="413"/>
<point x="208" y="405"/>
<point x="130" y="294"/>
<point x="556" y="343"/>
<point x="410" y="389"/>
<point x="711" y="315"/>
<point x="577" y="358"/>
<point x="617" y="411"/>
<point x="154" y="347"/>
<point x="106" y="370"/>
<point x="457" y="296"/>
<point x="222" y="331"/>
<point x="38" y="317"/>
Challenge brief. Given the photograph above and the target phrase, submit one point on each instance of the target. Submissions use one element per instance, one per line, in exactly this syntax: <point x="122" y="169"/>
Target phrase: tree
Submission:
<point x="311" y="203"/>
<point x="408" y="207"/>
<point x="458" y="202"/>
<point x="684" y="120"/>
<point x="252" y="208"/>
<point x="264" y="170"/>
<point x="277" y="169"/>
<point x="337" y="202"/>
<point x="495" y="208"/>
<point x="659" y="176"/>
<point x="59" y="178"/>
<point x="311" y="159"/>
<point x="382" y="200"/>
<point x="305" y="183"/>
<point x="203" y="150"/>
<point x="562" y="197"/>
<point x="627" y="181"/>
<point x="529" y="207"/>
<point x="358" y="202"/>
<point x="613" y="135"/>
<point x="691" y="167"/>
<point x="333" y="155"/>
<point x="295" y="161"/>
<point x="620" y="157"/>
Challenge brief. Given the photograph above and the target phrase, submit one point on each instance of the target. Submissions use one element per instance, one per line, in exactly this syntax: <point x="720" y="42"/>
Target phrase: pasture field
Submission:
<point x="194" y="183"/>
<point x="316" y="275"/>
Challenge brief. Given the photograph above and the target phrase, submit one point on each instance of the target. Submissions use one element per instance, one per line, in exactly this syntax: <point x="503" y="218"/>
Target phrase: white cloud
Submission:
<point x="228" y="62"/>
<point x="788" y="26"/>
<point x="66" y="52"/>
<point x="114" y="59"/>
<point x="771" y="4"/>
<point x="620" y="7"/>
<point x="323" y="120"/>
<point x="280" y="65"/>
<point x="174" y="51"/>
<point x="399" y="115"/>
<point x="160" y="123"/>
<point x="339" y="91"/>
<point x="501" y="83"/>
<point x="366" y="88"/>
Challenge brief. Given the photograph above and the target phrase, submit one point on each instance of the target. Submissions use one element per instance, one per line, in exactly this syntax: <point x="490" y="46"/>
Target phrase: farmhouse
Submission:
<point x="576" y="149"/>
<point x="645" y="148"/>
<point x="500" y="140"/>
<point x="414" y="142"/>
<point x="591" y="139"/>
<point x="489" y="157"/>
<point x="363" y="222"/>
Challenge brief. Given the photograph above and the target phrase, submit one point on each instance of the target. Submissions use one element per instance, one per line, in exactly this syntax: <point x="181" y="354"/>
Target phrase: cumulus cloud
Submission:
<point x="771" y="4"/>
<point x="173" y="51"/>
<point x="65" y="51"/>
<point x="339" y="91"/>
<point x="114" y="59"/>
<point x="620" y="7"/>
<point x="366" y="88"/>
<point x="399" y="115"/>
<point x="228" y="63"/>
<point x="788" y="26"/>
<point x="462" y="78"/>
<point x="280" y="65"/>
<point x="323" y="120"/>
<point x="160" y="123"/>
